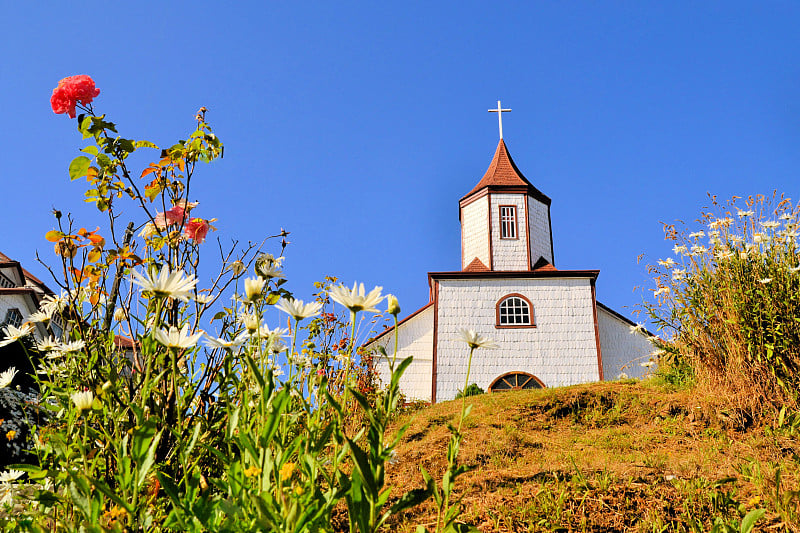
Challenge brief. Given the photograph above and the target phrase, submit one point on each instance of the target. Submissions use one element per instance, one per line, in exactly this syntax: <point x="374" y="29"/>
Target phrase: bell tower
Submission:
<point x="505" y="220"/>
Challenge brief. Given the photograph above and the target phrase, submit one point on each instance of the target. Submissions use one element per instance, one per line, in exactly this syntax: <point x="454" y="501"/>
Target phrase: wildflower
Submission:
<point x="203" y="298"/>
<point x="215" y="342"/>
<point x="764" y="281"/>
<point x="10" y="475"/>
<point x="744" y="214"/>
<point x="119" y="314"/>
<point x="253" y="288"/>
<point x="40" y="317"/>
<point x="72" y="346"/>
<point x="177" y="338"/>
<point x="286" y="471"/>
<point x="70" y="91"/>
<point x="252" y="471"/>
<point x="636" y="328"/>
<point x="724" y="254"/>
<point x="51" y="304"/>
<point x="679" y="249"/>
<point x="355" y="299"/>
<point x="47" y="344"/>
<point x="82" y="400"/>
<point x="697" y="234"/>
<point x="7" y="377"/>
<point x="668" y="262"/>
<point x="11" y="434"/>
<point x="237" y="267"/>
<point x="297" y="309"/>
<point x="166" y="284"/>
<point x="13" y="333"/>
<point x="785" y="216"/>
<point x="392" y="459"/>
<point x="760" y="237"/>
<point x="393" y="306"/>
<point x="795" y="269"/>
<point x="268" y="266"/>
<point x="474" y="340"/>
<point x="698" y="249"/>
<point x="661" y="290"/>
<point x="196" y="229"/>
<point x="249" y="321"/>
<point x="678" y="274"/>
<point x="622" y="375"/>
<point x="771" y="224"/>
<point x="648" y="364"/>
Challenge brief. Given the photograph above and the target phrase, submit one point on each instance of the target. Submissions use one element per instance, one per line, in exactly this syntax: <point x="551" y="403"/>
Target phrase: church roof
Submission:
<point x="503" y="174"/>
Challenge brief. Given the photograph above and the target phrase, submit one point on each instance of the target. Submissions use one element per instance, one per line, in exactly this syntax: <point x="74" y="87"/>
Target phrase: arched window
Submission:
<point x="515" y="311"/>
<point x="515" y="381"/>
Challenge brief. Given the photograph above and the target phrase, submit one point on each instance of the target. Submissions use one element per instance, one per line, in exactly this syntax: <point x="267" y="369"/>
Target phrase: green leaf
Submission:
<point x="79" y="167"/>
<point x="90" y="150"/>
<point x="144" y="144"/>
<point x="749" y="521"/>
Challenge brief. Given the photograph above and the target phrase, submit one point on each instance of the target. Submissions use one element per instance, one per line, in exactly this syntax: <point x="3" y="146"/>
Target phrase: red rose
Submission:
<point x="196" y="229"/>
<point x="70" y="91"/>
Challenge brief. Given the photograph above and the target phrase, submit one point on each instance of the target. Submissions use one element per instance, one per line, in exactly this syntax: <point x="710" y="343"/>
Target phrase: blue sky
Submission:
<point x="357" y="126"/>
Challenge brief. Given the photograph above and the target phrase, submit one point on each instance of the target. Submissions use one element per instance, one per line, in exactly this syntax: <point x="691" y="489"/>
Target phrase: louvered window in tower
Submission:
<point x="508" y="222"/>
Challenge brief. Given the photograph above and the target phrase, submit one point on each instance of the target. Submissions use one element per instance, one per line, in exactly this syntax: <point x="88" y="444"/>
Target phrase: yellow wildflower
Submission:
<point x="11" y="434"/>
<point x="252" y="471"/>
<point x="286" y="471"/>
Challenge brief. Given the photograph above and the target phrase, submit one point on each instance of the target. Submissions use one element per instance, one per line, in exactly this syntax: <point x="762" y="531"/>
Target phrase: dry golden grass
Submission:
<point x="623" y="456"/>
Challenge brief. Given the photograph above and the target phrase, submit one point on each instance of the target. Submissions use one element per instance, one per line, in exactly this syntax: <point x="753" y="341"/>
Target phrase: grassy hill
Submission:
<point x="621" y="456"/>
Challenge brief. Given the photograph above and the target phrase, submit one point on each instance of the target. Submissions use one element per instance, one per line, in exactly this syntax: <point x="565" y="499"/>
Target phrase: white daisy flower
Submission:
<point x="82" y="400"/>
<point x="661" y="290"/>
<point x="166" y="284"/>
<point x="771" y="224"/>
<point x="474" y="340"/>
<point x="13" y="333"/>
<point x="297" y="309"/>
<point x="72" y="346"/>
<point x="697" y="234"/>
<point x="216" y="342"/>
<point x="48" y="344"/>
<point x="177" y="338"/>
<point x="7" y="377"/>
<point x="355" y="299"/>
<point x="253" y="288"/>
<point x="10" y="475"/>
<point x="744" y="214"/>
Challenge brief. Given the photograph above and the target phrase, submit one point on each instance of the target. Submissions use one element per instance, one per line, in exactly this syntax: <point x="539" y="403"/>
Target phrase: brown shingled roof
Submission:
<point x="476" y="266"/>
<point x="503" y="173"/>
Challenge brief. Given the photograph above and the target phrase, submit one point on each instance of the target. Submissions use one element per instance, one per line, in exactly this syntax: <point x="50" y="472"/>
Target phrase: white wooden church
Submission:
<point x="549" y="326"/>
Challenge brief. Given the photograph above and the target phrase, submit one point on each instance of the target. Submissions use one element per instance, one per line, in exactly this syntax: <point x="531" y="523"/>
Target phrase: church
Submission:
<point x="549" y="326"/>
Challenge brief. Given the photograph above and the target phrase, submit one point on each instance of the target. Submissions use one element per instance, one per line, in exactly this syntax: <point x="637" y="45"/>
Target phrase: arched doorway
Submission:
<point x="515" y="381"/>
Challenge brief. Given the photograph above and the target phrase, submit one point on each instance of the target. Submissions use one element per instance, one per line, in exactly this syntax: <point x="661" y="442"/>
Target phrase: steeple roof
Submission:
<point x="503" y="174"/>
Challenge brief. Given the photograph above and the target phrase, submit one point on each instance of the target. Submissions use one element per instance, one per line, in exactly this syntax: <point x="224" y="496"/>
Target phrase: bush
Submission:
<point x="471" y="390"/>
<point x="731" y="300"/>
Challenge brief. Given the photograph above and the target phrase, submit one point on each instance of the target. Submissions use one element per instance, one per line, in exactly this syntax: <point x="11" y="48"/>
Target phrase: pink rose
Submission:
<point x="71" y="90"/>
<point x="196" y="229"/>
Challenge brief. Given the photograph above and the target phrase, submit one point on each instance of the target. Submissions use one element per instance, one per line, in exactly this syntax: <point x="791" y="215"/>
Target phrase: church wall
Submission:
<point x="19" y="301"/>
<point x="539" y="227"/>
<point x="560" y="350"/>
<point x="623" y="351"/>
<point x="474" y="232"/>
<point x="509" y="254"/>
<point x="415" y="339"/>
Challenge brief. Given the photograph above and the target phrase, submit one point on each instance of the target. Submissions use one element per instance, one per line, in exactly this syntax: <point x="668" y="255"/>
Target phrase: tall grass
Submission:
<point x="730" y="299"/>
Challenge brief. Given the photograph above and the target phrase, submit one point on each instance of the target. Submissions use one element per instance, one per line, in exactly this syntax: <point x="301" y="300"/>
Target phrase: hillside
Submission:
<point x="621" y="456"/>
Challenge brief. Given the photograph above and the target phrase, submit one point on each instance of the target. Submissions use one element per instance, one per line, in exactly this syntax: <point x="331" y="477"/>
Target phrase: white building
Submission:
<point x="550" y="328"/>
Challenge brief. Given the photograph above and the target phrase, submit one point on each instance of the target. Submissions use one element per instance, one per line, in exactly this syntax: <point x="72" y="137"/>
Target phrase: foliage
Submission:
<point x="731" y="298"/>
<point x="471" y="390"/>
<point x="145" y="430"/>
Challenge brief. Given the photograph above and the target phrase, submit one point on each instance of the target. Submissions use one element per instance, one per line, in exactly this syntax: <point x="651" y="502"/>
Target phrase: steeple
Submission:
<point x="503" y="175"/>
<point x="505" y="220"/>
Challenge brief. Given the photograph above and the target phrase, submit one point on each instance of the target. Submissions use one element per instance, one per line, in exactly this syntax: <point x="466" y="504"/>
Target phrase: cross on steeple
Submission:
<point x="499" y="112"/>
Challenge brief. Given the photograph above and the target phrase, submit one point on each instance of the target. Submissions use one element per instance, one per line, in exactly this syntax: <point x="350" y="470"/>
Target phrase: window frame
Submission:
<point x="531" y="318"/>
<point x="507" y="223"/>
<point x="531" y="377"/>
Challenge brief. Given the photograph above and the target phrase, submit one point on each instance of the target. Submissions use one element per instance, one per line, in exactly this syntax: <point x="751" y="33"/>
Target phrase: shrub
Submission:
<point x="472" y="390"/>
<point x="731" y="299"/>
